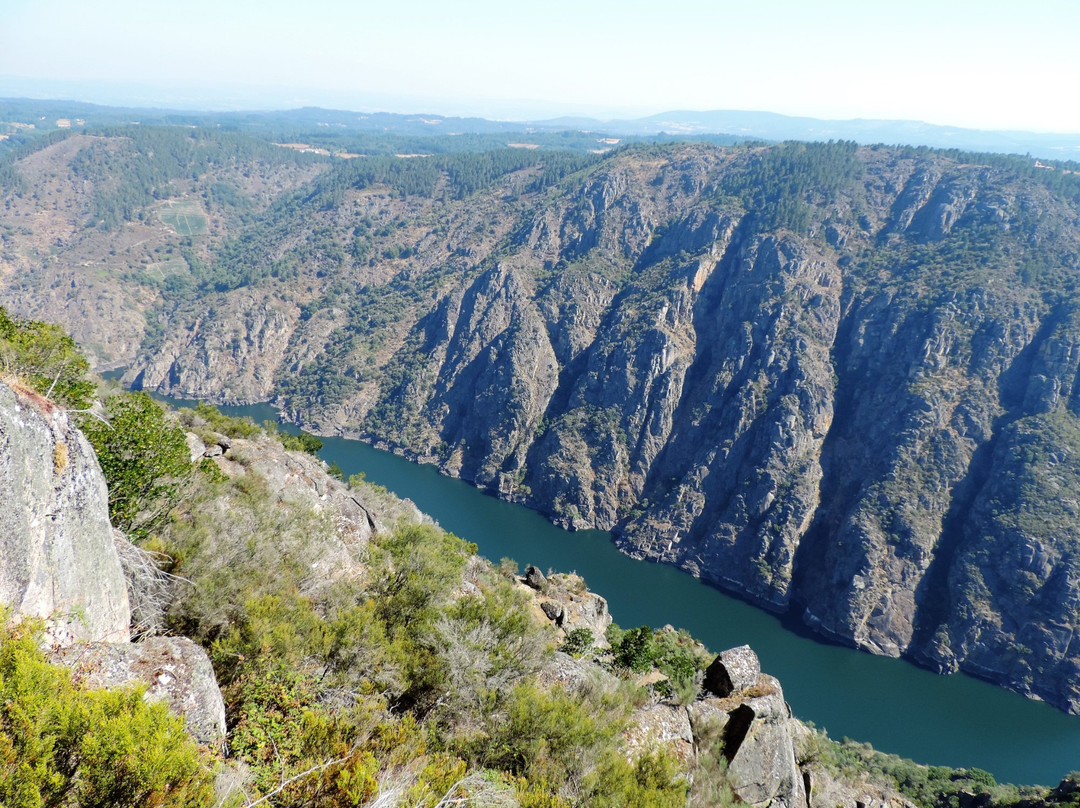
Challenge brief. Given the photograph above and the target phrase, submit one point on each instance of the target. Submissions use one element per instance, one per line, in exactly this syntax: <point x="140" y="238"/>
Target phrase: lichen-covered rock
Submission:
<point x="732" y="671"/>
<point x="196" y="447"/>
<point x="576" y="607"/>
<point x="173" y="669"/>
<point x="57" y="559"/>
<point x="708" y="717"/>
<point x="751" y="724"/>
<point x="661" y="726"/>
<point x="576" y="674"/>
<point x="761" y="755"/>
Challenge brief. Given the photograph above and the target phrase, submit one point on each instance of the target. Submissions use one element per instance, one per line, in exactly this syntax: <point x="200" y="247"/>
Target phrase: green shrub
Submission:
<point x="545" y="736"/>
<point x="636" y="650"/>
<point x="62" y="745"/>
<point x="225" y="424"/>
<point x="651" y="781"/>
<point x="419" y="567"/>
<point x="236" y="544"/>
<point x="145" y="459"/>
<point x="578" y="642"/>
<point x="303" y="442"/>
<point x="45" y="359"/>
<point x="289" y="739"/>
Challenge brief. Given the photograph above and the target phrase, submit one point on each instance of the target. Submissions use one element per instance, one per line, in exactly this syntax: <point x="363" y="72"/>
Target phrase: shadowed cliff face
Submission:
<point x="835" y="381"/>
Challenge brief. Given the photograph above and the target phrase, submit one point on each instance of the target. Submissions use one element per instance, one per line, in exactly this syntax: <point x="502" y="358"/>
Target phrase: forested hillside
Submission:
<point x="837" y="380"/>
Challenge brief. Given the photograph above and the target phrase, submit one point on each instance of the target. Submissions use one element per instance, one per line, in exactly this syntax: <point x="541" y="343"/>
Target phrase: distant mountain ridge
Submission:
<point x="738" y="125"/>
<point x="772" y="126"/>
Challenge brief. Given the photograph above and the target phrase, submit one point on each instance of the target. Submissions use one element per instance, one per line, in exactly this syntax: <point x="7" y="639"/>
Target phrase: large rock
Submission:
<point x="563" y="670"/>
<point x="570" y="605"/>
<point x="661" y="726"/>
<point x="57" y="559"/>
<point x="752" y="724"/>
<point x="173" y="669"/>
<point x="734" y="670"/>
<point x="534" y="578"/>
<point x="759" y="749"/>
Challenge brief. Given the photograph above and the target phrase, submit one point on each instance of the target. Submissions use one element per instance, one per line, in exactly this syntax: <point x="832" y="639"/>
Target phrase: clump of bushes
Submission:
<point x="63" y="745"/>
<point x="145" y="459"/>
<point x="676" y="654"/>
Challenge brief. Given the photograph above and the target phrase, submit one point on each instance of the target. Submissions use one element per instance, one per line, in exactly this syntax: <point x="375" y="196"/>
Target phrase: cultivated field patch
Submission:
<point x="186" y="217"/>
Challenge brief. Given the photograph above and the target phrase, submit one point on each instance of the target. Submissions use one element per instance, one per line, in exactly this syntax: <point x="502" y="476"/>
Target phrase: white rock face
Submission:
<point x="57" y="559"/>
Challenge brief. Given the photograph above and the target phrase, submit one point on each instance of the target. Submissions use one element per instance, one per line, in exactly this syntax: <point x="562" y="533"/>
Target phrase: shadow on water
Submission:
<point x="944" y="720"/>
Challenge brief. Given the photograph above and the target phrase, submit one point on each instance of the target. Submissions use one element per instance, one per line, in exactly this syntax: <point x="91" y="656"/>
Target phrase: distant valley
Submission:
<point x="840" y="381"/>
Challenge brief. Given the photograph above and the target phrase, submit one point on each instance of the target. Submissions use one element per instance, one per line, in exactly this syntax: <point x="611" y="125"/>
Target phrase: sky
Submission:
<point x="951" y="62"/>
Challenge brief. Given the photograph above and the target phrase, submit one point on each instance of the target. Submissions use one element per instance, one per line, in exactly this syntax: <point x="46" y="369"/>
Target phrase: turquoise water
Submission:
<point x="943" y="720"/>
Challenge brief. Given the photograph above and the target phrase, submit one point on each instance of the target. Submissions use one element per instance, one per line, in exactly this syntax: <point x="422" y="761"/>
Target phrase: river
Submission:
<point x="953" y="720"/>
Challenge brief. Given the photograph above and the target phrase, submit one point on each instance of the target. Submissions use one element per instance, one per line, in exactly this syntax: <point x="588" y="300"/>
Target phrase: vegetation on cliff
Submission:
<point x="693" y="345"/>
<point x="386" y="676"/>
<point x="62" y="745"/>
<point x="46" y="359"/>
<point x="404" y="671"/>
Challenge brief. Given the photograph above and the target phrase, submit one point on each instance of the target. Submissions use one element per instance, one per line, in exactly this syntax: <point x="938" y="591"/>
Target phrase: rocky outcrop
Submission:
<point x="60" y="560"/>
<point x="57" y="559"/>
<point x="564" y="600"/>
<point x="300" y="479"/>
<point x="173" y="669"/>
<point x="659" y="726"/>
<point x="230" y="359"/>
<point x="733" y="671"/>
<point x="748" y="714"/>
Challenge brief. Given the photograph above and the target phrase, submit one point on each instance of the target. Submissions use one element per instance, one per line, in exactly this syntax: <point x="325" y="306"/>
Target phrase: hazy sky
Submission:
<point x="979" y="64"/>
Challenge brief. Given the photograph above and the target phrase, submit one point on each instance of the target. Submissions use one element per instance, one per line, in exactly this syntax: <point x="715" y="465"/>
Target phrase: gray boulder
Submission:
<point x="579" y="675"/>
<point x="759" y="747"/>
<point x="553" y="610"/>
<point x="732" y="671"/>
<point x="173" y="669"/>
<point x="660" y="726"/>
<point x="534" y="578"/>
<point x="57" y="559"/>
<point x="749" y="719"/>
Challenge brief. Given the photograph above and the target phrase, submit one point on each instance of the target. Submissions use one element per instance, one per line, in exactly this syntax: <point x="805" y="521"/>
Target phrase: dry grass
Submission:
<point x="28" y="396"/>
<point x="60" y="457"/>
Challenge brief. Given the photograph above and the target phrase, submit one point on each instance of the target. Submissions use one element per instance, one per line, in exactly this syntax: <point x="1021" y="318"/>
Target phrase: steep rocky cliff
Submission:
<point x="838" y="381"/>
<point x="57" y="559"/>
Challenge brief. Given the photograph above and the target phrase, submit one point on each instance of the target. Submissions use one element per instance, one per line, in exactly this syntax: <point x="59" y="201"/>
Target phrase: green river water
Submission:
<point x="942" y="720"/>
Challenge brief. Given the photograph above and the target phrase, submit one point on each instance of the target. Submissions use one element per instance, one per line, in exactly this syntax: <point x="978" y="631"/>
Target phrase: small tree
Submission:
<point x="636" y="651"/>
<point x="145" y="459"/>
<point x="578" y="642"/>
